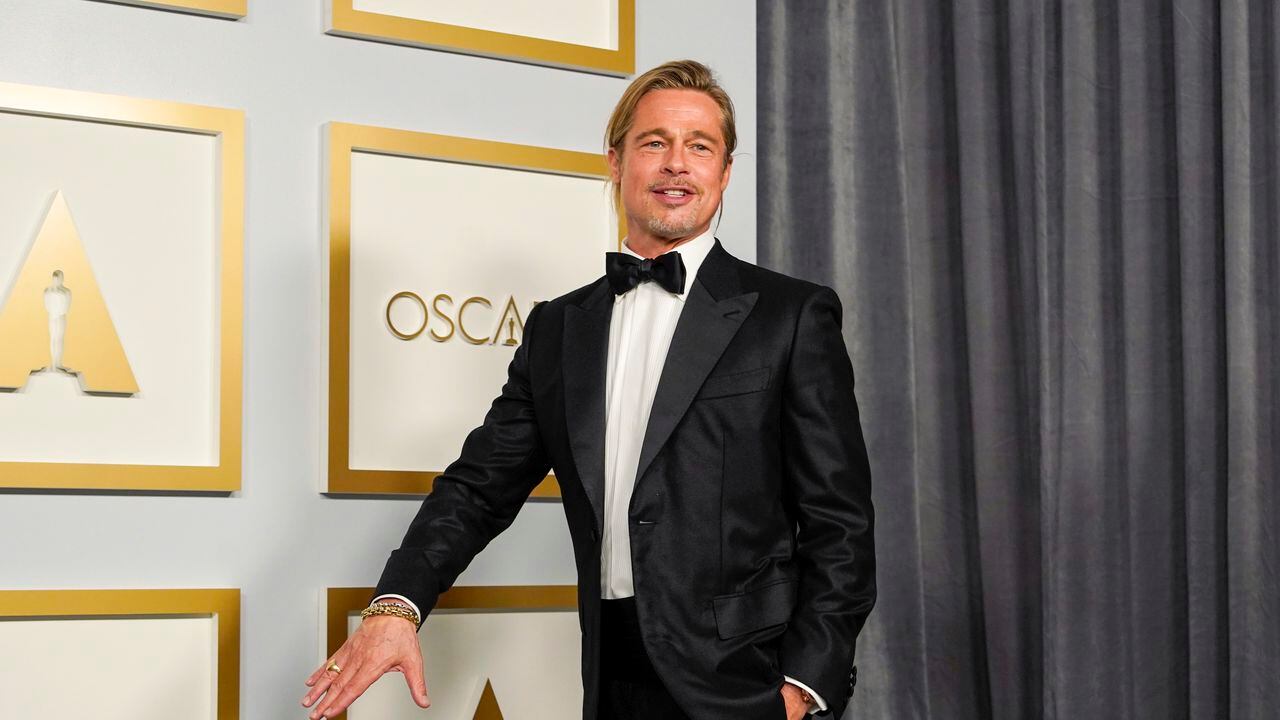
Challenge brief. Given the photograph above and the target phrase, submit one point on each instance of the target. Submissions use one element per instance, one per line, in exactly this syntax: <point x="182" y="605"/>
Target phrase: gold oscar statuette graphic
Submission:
<point x="55" y="319"/>
<point x="488" y="708"/>
<point x="511" y="323"/>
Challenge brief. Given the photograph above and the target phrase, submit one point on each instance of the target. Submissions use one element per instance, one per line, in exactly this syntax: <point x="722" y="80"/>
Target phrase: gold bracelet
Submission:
<point x="394" y="609"/>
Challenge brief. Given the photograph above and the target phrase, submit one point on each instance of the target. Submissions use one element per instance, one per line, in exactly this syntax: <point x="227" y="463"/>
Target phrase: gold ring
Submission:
<point x="333" y="666"/>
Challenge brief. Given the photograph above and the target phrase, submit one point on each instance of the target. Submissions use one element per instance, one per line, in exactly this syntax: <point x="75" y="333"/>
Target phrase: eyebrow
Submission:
<point x="665" y="135"/>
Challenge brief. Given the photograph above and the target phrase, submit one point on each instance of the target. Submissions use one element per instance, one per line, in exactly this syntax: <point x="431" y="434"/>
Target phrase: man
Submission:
<point x="700" y="417"/>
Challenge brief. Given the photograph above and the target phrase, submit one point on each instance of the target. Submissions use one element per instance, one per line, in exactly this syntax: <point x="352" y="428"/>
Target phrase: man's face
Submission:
<point x="672" y="168"/>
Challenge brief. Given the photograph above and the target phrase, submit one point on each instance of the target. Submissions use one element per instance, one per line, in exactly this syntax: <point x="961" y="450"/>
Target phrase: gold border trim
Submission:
<point x="343" y="140"/>
<point x="228" y="9"/>
<point x="228" y="127"/>
<point x="345" y="20"/>
<point x="224" y="604"/>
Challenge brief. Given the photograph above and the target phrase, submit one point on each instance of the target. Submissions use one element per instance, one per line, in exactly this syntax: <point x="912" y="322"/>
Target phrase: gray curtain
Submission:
<point x="1053" y="225"/>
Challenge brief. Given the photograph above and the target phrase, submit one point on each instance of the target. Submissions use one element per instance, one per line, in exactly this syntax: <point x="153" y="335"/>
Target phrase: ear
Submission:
<point x="728" y="170"/>
<point x="615" y="166"/>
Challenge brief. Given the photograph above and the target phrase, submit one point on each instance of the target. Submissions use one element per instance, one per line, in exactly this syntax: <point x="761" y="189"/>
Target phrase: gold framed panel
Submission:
<point x="343" y="140"/>
<point x="345" y="20"/>
<point x="343" y="602"/>
<point x="228" y="127"/>
<point x="222" y="603"/>
<point x="229" y="9"/>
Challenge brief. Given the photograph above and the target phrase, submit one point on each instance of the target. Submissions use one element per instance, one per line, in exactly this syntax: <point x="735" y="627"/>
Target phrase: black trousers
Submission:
<point x="630" y="688"/>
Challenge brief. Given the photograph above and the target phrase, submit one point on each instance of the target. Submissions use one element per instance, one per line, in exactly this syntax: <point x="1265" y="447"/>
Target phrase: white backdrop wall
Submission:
<point x="279" y="540"/>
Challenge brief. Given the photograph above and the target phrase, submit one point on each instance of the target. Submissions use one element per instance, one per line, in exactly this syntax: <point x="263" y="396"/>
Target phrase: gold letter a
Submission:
<point x="488" y="708"/>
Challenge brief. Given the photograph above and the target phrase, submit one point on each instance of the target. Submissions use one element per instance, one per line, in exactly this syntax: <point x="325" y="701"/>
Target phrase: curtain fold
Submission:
<point x="1055" y="228"/>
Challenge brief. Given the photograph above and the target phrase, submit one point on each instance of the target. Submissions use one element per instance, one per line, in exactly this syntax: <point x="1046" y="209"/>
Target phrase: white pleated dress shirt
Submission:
<point x="644" y="320"/>
<point x="640" y="331"/>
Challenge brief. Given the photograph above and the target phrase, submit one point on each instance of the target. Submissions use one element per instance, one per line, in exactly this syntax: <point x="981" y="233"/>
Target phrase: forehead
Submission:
<point x="676" y="110"/>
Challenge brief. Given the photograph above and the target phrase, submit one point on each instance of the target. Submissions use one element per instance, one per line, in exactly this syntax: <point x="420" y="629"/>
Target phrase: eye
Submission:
<point x="654" y="143"/>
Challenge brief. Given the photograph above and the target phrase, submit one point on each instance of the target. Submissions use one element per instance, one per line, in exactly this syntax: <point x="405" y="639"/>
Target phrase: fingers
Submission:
<point x="371" y="651"/>
<point x="416" y="679"/>
<point x="319" y="673"/>
<point x="345" y="691"/>
<point x="321" y="679"/>
<point x="323" y="671"/>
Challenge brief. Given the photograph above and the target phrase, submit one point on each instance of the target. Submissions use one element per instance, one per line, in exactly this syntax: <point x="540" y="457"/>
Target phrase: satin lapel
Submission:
<point x="584" y="365"/>
<point x="703" y="332"/>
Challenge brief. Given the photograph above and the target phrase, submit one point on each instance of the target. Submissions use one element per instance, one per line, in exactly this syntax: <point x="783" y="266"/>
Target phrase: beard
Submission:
<point x="673" y="227"/>
<point x="665" y="223"/>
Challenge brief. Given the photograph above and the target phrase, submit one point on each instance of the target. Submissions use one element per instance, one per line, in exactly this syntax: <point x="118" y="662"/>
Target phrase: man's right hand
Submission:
<point x="380" y="645"/>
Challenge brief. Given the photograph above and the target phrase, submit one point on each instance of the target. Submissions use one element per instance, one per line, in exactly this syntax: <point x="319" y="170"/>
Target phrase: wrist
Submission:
<point x="807" y="699"/>
<point x="800" y="694"/>
<point x="392" y="608"/>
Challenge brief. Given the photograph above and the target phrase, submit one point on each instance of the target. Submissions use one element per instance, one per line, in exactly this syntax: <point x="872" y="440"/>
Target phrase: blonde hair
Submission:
<point x="674" y="75"/>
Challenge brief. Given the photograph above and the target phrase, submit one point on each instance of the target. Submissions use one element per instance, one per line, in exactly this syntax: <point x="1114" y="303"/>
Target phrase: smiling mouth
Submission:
<point x="674" y="196"/>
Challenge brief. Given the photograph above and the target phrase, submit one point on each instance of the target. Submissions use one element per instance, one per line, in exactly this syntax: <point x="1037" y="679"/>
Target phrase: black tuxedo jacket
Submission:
<point x="751" y="518"/>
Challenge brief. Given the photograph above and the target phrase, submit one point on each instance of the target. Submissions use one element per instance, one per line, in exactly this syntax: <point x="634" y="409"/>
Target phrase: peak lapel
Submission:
<point x="584" y="366"/>
<point x="714" y="310"/>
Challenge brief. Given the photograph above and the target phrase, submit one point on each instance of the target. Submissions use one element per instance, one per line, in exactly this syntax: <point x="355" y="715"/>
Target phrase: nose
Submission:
<point x="674" y="162"/>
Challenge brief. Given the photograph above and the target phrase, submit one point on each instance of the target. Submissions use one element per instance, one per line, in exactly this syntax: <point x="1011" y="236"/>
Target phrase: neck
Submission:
<point x="651" y="246"/>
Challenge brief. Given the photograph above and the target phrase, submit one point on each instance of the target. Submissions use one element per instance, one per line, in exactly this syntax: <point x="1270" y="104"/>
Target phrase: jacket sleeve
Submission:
<point x="828" y="487"/>
<point x="477" y="496"/>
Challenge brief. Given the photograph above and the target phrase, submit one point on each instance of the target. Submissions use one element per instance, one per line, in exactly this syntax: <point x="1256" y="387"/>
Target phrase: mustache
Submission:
<point x="674" y="185"/>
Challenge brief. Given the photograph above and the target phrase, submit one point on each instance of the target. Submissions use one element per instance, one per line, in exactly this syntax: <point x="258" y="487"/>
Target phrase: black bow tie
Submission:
<point x="627" y="271"/>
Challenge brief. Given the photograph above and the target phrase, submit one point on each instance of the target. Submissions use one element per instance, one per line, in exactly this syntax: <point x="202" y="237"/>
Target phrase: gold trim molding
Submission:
<point x="227" y="9"/>
<point x="343" y="602"/>
<point x="228" y="127"/>
<point x="343" y="140"/>
<point x="223" y="604"/>
<point x="345" y="20"/>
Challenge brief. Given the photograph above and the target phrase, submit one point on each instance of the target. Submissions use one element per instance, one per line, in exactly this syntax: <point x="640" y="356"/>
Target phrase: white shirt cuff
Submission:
<point x="409" y="602"/>
<point x="820" y="705"/>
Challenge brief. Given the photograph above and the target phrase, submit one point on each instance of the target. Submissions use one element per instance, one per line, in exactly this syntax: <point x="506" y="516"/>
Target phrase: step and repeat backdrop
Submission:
<point x="263" y="264"/>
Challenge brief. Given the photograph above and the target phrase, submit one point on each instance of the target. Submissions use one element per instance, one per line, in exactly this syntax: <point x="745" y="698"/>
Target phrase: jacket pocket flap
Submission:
<point x="735" y="383"/>
<point x="745" y="612"/>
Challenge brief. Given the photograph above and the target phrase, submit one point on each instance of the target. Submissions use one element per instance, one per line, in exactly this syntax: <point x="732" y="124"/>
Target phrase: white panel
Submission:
<point x="108" y="669"/>
<point x="580" y="22"/>
<point x="279" y="539"/>
<point x="533" y="660"/>
<point x="143" y="202"/>
<point x="435" y="227"/>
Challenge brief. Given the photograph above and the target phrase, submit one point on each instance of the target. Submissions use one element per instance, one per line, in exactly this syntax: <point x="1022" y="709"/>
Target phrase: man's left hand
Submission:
<point x="797" y="708"/>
